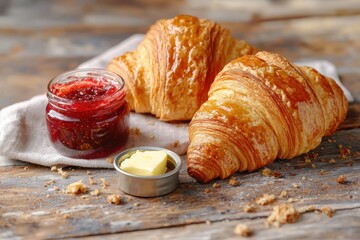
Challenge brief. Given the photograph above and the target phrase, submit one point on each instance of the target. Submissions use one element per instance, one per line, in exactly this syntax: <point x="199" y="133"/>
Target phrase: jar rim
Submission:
<point x="85" y="72"/>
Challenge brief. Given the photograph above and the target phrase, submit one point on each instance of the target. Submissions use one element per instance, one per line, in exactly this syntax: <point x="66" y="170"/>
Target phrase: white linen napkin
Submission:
<point x="23" y="132"/>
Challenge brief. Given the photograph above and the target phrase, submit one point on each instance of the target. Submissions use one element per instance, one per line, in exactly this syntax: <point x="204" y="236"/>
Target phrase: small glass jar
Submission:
<point x="87" y="114"/>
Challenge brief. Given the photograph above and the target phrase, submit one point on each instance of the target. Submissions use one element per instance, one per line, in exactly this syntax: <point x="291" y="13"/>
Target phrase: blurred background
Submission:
<point x="40" y="38"/>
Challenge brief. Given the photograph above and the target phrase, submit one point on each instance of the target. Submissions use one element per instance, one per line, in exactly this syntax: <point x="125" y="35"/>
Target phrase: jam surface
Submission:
<point x="87" y="117"/>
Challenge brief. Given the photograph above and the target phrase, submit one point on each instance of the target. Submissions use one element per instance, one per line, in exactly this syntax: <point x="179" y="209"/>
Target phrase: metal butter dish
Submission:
<point x="148" y="186"/>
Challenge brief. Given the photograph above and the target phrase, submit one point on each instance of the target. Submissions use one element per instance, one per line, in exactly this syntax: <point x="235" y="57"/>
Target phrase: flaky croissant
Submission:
<point x="261" y="107"/>
<point x="172" y="69"/>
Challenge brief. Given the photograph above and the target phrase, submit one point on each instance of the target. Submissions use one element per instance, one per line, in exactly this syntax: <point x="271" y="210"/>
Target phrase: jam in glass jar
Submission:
<point x="87" y="114"/>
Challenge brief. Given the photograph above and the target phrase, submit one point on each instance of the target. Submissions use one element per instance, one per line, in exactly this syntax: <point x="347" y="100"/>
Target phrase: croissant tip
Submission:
<point x="198" y="175"/>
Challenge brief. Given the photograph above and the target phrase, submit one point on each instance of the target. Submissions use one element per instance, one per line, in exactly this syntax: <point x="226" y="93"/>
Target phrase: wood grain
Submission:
<point x="40" y="210"/>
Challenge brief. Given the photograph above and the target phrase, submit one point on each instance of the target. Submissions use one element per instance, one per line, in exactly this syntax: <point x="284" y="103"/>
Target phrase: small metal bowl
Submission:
<point x="148" y="186"/>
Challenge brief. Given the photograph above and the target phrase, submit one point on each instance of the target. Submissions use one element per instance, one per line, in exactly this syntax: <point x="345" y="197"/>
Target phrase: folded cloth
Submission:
<point x="23" y="131"/>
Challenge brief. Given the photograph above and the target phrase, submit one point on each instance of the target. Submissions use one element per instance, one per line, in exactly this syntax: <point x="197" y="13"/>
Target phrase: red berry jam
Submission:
<point x="87" y="114"/>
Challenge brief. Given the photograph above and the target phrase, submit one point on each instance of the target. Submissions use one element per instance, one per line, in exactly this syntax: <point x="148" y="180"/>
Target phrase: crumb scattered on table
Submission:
<point x="332" y="161"/>
<point x="49" y="183"/>
<point x="345" y="152"/>
<point x="265" y="199"/>
<point x="104" y="183"/>
<point x="114" y="199"/>
<point x="92" y="180"/>
<point x="295" y="185"/>
<point x="283" y="214"/>
<point x="216" y="185"/>
<point x="327" y="210"/>
<point x="62" y="173"/>
<point x="310" y="208"/>
<point x="76" y="188"/>
<point x="284" y="194"/>
<point x="291" y="200"/>
<point x="95" y="192"/>
<point x="206" y="190"/>
<point x="53" y="169"/>
<point x="249" y="208"/>
<point x="341" y="179"/>
<point x="242" y="230"/>
<point x="266" y="172"/>
<point x="233" y="182"/>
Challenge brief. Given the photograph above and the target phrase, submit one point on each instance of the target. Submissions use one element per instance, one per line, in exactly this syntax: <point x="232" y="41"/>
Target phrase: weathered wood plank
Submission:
<point x="39" y="211"/>
<point x="343" y="225"/>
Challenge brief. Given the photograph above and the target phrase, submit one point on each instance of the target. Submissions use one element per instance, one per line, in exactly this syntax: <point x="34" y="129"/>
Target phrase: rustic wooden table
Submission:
<point x="40" y="39"/>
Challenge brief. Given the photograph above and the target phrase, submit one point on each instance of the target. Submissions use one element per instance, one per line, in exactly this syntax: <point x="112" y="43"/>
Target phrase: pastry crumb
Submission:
<point x="92" y="180"/>
<point x="114" y="199"/>
<point x="207" y="190"/>
<point x="310" y="208"/>
<point x="84" y="197"/>
<point x="303" y="178"/>
<point x="216" y="185"/>
<point x="282" y="214"/>
<point x="332" y="161"/>
<point x="88" y="172"/>
<point x="344" y="152"/>
<point x="327" y="211"/>
<point x="242" y="230"/>
<point x="53" y="169"/>
<point x="307" y="159"/>
<point x="136" y="204"/>
<point x="26" y="168"/>
<point x="56" y="188"/>
<point x="110" y="159"/>
<point x="291" y="200"/>
<point x="295" y="185"/>
<point x="66" y="216"/>
<point x="95" y="192"/>
<point x="341" y="179"/>
<point x="62" y="173"/>
<point x="233" y="182"/>
<point x="266" y="172"/>
<point x="76" y="188"/>
<point x="249" y="208"/>
<point x="265" y="199"/>
<point x="284" y="194"/>
<point x="49" y="183"/>
<point x="104" y="183"/>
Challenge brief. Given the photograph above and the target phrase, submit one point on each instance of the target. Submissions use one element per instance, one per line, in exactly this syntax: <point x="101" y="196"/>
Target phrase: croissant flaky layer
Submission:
<point x="171" y="71"/>
<point x="261" y="107"/>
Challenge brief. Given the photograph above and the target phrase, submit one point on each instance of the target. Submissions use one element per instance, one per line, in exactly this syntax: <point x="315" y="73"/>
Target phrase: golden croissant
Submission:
<point x="261" y="107"/>
<point x="170" y="72"/>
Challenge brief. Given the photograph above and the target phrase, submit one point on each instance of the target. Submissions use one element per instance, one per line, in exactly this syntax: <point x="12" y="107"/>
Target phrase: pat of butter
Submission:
<point x="146" y="163"/>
